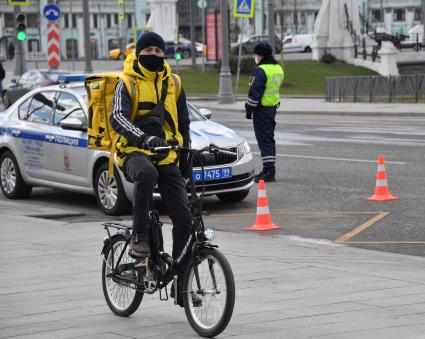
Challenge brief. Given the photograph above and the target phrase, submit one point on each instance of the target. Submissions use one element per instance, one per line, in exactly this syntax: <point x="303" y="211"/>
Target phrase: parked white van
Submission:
<point x="297" y="43"/>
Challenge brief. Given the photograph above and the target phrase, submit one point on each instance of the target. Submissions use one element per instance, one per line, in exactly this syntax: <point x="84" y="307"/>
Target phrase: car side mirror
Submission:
<point x="206" y="112"/>
<point x="73" y="124"/>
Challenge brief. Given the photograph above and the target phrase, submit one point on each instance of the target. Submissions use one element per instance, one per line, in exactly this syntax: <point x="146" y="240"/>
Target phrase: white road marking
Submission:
<point x="335" y="159"/>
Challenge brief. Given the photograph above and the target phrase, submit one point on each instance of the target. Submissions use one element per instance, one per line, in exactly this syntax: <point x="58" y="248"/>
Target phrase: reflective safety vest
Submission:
<point x="274" y="75"/>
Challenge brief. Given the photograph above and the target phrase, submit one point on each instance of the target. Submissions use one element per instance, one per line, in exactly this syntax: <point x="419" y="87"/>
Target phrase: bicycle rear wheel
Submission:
<point x="122" y="298"/>
<point x="217" y="292"/>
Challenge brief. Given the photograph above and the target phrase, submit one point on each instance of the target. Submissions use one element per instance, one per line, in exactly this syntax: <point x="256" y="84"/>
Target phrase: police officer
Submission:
<point x="263" y="101"/>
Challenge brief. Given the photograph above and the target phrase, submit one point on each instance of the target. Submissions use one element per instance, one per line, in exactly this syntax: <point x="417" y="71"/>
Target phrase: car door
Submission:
<point x="32" y="125"/>
<point x="67" y="149"/>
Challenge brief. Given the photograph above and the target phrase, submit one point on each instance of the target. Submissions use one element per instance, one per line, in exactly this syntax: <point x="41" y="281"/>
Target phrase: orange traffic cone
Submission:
<point x="382" y="193"/>
<point x="263" y="220"/>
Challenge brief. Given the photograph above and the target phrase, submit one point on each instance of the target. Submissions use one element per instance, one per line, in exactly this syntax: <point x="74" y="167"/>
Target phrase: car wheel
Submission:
<point x="307" y="49"/>
<point x="11" y="182"/>
<point x="110" y="194"/>
<point x="186" y="54"/>
<point x="236" y="196"/>
<point x="6" y="99"/>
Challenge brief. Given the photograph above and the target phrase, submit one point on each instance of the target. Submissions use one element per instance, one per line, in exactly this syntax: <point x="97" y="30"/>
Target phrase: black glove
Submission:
<point x="249" y="111"/>
<point x="148" y="142"/>
<point x="184" y="164"/>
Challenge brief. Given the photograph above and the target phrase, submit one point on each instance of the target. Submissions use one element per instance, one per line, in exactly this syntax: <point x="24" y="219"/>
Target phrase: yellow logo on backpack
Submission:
<point x="100" y="90"/>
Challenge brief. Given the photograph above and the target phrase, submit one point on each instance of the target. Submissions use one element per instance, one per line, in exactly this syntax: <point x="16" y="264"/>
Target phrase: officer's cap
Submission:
<point x="263" y="49"/>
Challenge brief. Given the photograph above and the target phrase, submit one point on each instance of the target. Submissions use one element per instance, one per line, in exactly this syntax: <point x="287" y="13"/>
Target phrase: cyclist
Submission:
<point x="162" y="117"/>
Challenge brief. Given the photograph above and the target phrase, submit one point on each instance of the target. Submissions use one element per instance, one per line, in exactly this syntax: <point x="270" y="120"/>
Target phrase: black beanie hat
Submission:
<point x="149" y="39"/>
<point x="263" y="49"/>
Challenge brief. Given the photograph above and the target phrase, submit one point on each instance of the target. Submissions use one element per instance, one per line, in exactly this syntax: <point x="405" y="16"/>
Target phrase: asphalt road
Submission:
<point x="326" y="170"/>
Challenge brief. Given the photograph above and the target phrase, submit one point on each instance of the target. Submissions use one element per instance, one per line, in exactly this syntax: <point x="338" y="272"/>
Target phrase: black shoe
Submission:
<point x="139" y="246"/>
<point x="196" y="299"/>
<point x="266" y="176"/>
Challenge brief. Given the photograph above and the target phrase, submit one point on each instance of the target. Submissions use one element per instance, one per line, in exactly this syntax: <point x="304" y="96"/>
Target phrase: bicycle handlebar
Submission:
<point x="210" y="148"/>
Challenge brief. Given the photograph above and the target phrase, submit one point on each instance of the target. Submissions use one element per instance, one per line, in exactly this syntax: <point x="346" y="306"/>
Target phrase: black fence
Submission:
<point x="376" y="88"/>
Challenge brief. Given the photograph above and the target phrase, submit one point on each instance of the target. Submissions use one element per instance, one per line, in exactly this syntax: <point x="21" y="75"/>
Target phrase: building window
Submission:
<point x="71" y="49"/>
<point x="129" y="21"/>
<point x="74" y="20"/>
<point x="376" y="15"/>
<point x="9" y="21"/>
<point x="116" y="19"/>
<point x="95" y="22"/>
<point x="33" y="45"/>
<point x="108" y="21"/>
<point x="302" y="18"/>
<point x="418" y="14"/>
<point x="32" y="20"/>
<point x="399" y="14"/>
<point x="66" y="20"/>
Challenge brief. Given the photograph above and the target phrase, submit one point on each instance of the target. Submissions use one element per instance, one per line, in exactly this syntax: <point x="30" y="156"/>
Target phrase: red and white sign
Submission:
<point x="213" y="20"/>
<point x="53" y="44"/>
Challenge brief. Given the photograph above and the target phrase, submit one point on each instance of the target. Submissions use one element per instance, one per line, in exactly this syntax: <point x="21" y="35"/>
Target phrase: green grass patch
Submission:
<point x="301" y="78"/>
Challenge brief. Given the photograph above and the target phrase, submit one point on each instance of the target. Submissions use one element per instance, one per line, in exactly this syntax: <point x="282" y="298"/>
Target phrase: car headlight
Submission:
<point x="247" y="149"/>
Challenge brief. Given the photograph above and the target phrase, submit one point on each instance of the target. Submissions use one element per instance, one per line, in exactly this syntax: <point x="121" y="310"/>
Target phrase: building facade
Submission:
<point x="397" y="16"/>
<point x="109" y="27"/>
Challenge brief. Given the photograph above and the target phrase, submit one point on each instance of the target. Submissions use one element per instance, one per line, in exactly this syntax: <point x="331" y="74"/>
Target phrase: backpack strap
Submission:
<point x="130" y="84"/>
<point x="177" y="84"/>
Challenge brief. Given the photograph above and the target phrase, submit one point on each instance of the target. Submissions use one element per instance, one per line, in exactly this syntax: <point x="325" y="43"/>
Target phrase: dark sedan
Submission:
<point x="31" y="79"/>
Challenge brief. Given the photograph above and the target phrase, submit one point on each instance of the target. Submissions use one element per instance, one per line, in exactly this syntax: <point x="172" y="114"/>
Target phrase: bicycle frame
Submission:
<point x="159" y="258"/>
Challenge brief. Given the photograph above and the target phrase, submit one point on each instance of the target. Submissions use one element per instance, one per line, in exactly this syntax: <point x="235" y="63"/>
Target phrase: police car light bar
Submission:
<point x="67" y="78"/>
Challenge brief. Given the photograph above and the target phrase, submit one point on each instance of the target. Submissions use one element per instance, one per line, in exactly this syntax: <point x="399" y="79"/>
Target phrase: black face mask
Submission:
<point x="152" y="62"/>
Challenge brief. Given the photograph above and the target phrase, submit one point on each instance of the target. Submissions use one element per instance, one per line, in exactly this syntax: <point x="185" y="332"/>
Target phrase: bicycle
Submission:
<point x="206" y="271"/>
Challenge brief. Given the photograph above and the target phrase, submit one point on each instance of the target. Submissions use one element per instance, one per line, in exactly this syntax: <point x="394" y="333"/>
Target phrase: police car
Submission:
<point x="43" y="142"/>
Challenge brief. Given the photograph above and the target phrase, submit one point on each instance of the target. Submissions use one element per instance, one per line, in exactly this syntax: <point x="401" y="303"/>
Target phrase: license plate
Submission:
<point x="213" y="174"/>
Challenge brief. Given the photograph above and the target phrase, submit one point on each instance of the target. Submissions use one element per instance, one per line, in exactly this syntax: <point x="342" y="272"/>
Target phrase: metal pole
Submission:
<point x="72" y="40"/>
<point x="225" y="95"/>
<point x="270" y="21"/>
<point x="239" y="59"/>
<point x="263" y="13"/>
<point x="19" y="56"/>
<point x="295" y="17"/>
<point x="423" y="23"/>
<point x="192" y="32"/>
<point x="203" y="39"/>
<point x="382" y="13"/>
<point x="86" y="27"/>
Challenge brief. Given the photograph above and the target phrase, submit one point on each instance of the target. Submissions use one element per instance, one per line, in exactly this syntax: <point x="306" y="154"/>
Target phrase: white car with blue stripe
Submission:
<point x="43" y="142"/>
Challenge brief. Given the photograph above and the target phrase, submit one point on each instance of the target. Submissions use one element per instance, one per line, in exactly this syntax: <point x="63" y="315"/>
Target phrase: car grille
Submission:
<point x="219" y="158"/>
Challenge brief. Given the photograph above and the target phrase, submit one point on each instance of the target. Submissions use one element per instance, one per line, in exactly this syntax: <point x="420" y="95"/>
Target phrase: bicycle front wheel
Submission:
<point x="216" y="290"/>
<point x="121" y="297"/>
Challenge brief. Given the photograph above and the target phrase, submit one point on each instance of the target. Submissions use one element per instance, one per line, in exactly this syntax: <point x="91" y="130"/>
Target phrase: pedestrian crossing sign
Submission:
<point x="243" y="8"/>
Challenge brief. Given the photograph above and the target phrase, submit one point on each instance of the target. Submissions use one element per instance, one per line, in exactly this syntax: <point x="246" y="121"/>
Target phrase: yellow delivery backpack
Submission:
<point x="100" y="90"/>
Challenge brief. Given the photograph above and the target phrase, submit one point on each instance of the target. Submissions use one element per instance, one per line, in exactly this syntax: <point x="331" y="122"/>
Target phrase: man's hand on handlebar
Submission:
<point x="150" y="142"/>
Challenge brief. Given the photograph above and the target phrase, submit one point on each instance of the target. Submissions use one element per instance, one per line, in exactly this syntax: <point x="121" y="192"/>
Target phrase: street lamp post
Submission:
<point x="225" y="94"/>
<point x="270" y="21"/>
<point x="423" y="23"/>
<point x="86" y="27"/>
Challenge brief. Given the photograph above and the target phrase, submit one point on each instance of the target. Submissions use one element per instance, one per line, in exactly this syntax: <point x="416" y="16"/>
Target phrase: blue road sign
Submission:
<point x="243" y="8"/>
<point x="52" y="12"/>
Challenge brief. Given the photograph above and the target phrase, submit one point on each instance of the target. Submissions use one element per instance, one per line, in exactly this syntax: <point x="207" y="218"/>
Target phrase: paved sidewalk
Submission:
<point x="50" y="287"/>
<point x="320" y="106"/>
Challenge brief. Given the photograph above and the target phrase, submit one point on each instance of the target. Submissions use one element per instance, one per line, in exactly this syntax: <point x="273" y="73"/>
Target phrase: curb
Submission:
<point x="348" y="113"/>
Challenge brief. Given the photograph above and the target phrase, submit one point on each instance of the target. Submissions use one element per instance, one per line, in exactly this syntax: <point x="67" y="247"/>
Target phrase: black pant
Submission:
<point x="264" y="126"/>
<point x="145" y="175"/>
